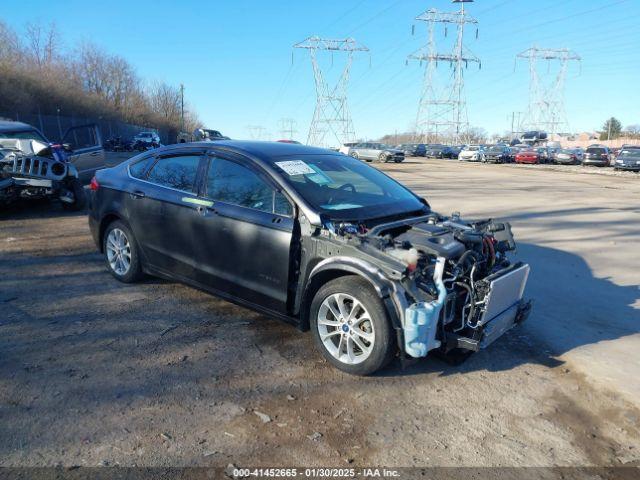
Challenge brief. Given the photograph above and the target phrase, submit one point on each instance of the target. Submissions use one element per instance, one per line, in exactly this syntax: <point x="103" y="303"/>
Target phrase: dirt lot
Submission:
<point x="94" y="372"/>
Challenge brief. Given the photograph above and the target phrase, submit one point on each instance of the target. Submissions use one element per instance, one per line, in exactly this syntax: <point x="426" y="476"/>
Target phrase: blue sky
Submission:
<point x="235" y="57"/>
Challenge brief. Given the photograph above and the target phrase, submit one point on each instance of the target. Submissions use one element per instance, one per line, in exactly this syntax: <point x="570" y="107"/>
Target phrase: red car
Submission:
<point x="528" y="156"/>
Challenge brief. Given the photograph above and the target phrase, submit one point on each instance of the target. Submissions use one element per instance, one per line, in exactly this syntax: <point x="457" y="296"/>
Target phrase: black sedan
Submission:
<point x="497" y="154"/>
<point x="315" y="238"/>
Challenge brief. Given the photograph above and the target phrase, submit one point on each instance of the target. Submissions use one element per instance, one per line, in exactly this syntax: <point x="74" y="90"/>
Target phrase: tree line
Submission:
<point x="39" y="75"/>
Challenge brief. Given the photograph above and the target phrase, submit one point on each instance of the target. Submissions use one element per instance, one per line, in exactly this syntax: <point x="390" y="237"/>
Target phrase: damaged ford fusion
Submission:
<point x="315" y="238"/>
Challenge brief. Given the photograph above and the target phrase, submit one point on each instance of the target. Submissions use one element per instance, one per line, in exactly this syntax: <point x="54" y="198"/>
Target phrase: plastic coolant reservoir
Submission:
<point x="421" y="319"/>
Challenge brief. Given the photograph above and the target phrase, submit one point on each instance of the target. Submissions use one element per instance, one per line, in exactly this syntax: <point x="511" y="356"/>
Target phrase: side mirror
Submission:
<point x="67" y="147"/>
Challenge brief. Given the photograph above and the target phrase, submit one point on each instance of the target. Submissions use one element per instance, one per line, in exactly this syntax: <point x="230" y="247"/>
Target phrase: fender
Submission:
<point x="391" y="293"/>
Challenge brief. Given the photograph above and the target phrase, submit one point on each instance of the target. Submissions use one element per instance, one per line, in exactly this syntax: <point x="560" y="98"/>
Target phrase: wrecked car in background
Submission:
<point x="317" y="239"/>
<point x="33" y="167"/>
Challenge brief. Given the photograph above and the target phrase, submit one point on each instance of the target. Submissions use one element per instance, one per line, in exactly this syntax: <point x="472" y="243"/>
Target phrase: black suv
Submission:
<point x="315" y="238"/>
<point x="597" y="155"/>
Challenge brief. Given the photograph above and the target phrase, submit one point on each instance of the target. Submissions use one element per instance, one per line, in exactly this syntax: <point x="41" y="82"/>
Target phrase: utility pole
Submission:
<point x="444" y="114"/>
<point x="288" y="128"/>
<point x="181" y="107"/>
<point x="546" y="100"/>
<point x="331" y="121"/>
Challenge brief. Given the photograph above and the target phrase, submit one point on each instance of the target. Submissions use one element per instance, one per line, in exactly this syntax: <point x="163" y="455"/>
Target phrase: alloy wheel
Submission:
<point x="345" y="328"/>
<point x="118" y="251"/>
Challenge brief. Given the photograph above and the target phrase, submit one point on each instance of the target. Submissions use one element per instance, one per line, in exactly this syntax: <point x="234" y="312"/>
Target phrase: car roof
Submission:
<point x="260" y="149"/>
<point x="8" y="125"/>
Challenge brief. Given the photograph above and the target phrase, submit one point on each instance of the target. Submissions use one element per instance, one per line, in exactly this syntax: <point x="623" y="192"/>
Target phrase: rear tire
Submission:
<point x="363" y="346"/>
<point x="121" y="252"/>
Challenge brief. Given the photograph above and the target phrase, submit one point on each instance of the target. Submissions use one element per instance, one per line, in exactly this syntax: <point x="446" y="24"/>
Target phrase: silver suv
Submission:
<point x="372" y="152"/>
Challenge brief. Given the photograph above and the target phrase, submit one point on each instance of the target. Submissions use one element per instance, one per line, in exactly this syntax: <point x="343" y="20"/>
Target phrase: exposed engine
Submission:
<point x="464" y="291"/>
<point x="482" y="288"/>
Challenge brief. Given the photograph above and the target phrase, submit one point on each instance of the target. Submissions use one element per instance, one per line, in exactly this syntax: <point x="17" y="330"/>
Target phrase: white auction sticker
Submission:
<point x="295" y="167"/>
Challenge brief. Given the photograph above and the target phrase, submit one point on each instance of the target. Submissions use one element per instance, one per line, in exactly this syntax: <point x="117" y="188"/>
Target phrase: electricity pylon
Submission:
<point x="444" y="116"/>
<point x="256" y="132"/>
<point x="331" y="121"/>
<point x="546" y="99"/>
<point x="288" y="128"/>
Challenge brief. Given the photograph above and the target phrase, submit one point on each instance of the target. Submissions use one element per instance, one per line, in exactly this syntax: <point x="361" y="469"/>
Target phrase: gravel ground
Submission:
<point x="95" y="372"/>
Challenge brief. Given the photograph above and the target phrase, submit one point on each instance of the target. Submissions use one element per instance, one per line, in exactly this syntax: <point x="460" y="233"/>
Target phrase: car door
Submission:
<point x="87" y="154"/>
<point x="244" y="233"/>
<point x="161" y="215"/>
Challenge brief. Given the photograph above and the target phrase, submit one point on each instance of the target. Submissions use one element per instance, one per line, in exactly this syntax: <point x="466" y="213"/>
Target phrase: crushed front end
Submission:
<point x="464" y="291"/>
<point x="455" y="289"/>
<point x="32" y="169"/>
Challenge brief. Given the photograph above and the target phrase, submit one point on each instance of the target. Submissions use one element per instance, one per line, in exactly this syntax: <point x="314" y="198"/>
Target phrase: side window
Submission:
<point x="177" y="172"/>
<point x="281" y="205"/>
<point x="230" y="182"/>
<point x="138" y="169"/>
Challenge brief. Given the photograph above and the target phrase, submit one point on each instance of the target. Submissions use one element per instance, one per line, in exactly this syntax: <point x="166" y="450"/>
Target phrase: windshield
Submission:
<point x="345" y="188"/>
<point x="631" y="153"/>
<point x="567" y="151"/>
<point x="496" y="149"/>
<point x="24" y="135"/>
<point x="473" y="148"/>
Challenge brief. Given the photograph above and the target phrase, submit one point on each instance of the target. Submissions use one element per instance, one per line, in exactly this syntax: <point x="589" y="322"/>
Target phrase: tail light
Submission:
<point x="94" y="185"/>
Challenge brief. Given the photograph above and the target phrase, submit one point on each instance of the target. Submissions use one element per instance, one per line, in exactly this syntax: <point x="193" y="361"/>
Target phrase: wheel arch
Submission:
<point x="336" y="267"/>
<point x="105" y="221"/>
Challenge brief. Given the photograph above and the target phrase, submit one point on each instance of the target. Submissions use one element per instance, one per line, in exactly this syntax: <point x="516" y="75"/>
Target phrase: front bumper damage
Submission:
<point x="503" y="308"/>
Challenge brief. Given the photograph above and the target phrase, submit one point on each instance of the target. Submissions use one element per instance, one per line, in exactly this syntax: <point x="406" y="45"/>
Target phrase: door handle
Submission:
<point x="94" y="154"/>
<point x="204" y="210"/>
<point x="137" y="194"/>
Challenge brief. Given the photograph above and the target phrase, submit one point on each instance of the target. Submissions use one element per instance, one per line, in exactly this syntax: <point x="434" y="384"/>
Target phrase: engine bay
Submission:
<point x="463" y="289"/>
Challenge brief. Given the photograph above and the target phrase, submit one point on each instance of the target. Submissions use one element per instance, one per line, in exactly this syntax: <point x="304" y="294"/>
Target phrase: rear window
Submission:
<point x="177" y="172"/>
<point x="599" y="151"/>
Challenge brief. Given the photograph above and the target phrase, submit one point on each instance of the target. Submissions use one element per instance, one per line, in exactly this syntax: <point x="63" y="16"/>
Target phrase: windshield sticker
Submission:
<point x="319" y="176"/>
<point x="295" y="167"/>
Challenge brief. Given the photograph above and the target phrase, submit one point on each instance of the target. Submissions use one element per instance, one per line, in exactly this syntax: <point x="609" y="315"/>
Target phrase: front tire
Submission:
<point x="79" y="196"/>
<point x="349" y="325"/>
<point x="121" y="252"/>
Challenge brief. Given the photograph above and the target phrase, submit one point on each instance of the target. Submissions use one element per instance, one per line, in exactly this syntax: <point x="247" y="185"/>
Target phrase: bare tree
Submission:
<point x="165" y="101"/>
<point x="43" y="43"/>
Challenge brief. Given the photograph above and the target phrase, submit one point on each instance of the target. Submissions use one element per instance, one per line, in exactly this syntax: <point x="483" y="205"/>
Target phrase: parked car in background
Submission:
<point x="436" y="150"/>
<point x="314" y="238"/>
<point x="345" y="148"/>
<point x="372" y="151"/>
<point x="567" y="156"/>
<point x="533" y="137"/>
<point x="628" y="159"/>
<point x="471" y="153"/>
<point x="413" y="149"/>
<point x="146" y="140"/>
<point x="497" y="154"/>
<point x="33" y="167"/>
<point x="452" y="151"/>
<point x="118" y="144"/>
<point x="596" y="155"/>
<point x="545" y="154"/>
<point x="528" y="156"/>
<point x="201" y="135"/>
